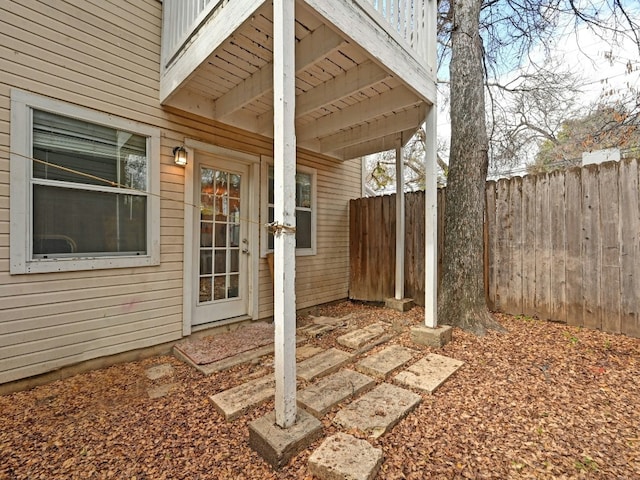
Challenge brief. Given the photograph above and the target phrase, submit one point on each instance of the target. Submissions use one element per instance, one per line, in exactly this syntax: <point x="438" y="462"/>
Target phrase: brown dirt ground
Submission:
<point x="543" y="401"/>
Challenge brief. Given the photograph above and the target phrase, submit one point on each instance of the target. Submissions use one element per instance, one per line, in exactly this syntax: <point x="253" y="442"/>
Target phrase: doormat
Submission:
<point x="216" y="347"/>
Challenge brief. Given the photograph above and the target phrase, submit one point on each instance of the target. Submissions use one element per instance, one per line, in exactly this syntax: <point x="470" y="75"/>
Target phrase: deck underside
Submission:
<point x="348" y="101"/>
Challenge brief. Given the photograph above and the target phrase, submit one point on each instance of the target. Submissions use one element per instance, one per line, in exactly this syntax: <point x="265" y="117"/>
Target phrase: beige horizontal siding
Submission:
<point x="104" y="55"/>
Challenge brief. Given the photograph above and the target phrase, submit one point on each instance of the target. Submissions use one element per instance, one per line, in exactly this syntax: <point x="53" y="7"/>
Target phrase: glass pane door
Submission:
<point x="220" y="235"/>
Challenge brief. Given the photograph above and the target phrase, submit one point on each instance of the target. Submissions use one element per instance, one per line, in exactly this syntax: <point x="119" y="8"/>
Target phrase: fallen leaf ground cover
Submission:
<point x="544" y="400"/>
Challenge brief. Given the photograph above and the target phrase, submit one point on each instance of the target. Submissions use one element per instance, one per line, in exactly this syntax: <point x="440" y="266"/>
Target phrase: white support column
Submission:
<point x="431" y="222"/>
<point x="400" y="233"/>
<point x="284" y="159"/>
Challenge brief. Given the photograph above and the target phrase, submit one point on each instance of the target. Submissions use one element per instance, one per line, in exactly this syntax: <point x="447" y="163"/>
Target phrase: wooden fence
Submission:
<point x="372" y="238"/>
<point x="563" y="246"/>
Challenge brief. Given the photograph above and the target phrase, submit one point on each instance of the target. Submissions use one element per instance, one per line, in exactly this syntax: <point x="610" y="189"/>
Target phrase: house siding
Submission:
<point x="106" y="56"/>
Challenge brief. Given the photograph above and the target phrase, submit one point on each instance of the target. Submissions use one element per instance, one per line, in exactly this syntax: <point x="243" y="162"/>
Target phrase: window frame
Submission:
<point x="264" y="208"/>
<point x="22" y="260"/>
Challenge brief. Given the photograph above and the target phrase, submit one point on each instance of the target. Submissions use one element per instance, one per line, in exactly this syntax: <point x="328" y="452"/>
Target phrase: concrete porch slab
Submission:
<point x="318" y="399"/>
<point x="378" y="411"/>
<point x="359" y="337"/>
<point x="429" y="373"/>
<point x="234" y="402"/>
<point x="322" y="364"/>
<point x="385" y="361"/>
<point x="277" y="445"/>
<point x="344" y="457"/>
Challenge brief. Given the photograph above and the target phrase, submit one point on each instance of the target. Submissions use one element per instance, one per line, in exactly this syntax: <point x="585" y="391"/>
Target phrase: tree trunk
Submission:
<point x="462" y="300"/>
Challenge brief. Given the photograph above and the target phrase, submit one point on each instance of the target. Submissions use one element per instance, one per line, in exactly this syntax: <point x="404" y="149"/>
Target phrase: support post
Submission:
<point x="431" y="222"/>
<point x="284" y="157"/>
<point x="400" y="233"/>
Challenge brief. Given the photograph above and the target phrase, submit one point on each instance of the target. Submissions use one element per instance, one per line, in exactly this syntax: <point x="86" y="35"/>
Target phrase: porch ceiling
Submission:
<point x="347" y="104"/>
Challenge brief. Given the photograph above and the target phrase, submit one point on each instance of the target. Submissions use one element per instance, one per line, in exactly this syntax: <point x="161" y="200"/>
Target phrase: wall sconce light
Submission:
<point x="180" y="156"/>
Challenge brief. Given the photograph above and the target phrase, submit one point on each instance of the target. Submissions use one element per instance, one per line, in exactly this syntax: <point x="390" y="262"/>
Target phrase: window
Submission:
<point x="83" y="188"/>
<point x="305" y="210"/>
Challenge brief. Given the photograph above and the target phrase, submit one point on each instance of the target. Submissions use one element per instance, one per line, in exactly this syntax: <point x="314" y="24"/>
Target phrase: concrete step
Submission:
<point x="377" y="411"/>
<point x="357" y="338"/>
<point x="429" y="373"/>
<point x="385" y="361"/>
<point x="234" y="402"/>
<point x="329" y="391"/>
<point x="344" y="457"/>
<point x="322" y="364"/>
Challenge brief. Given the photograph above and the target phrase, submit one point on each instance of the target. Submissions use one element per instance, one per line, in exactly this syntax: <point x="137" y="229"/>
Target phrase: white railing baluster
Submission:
<point x="407" y="18"/>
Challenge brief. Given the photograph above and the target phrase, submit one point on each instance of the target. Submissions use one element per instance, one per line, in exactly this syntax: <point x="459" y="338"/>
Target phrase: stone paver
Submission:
<point x="359" y="337"/>
<point x="235" y="401"/>
<point x="336" y="321"/>
<point x="313" y="330"/>
<point x="322" y="364"/>
<point x="344" y="457"/>
<point x="385" y="361"/>
<point x="318" y="399"/>
<point x="160" y="391"/>
<point x="429" y="373"/>
<point x="377" y="411"/>
<point x="306" y="351"/>
<point x="157" y="372"/>
<point x="277" y="445"/>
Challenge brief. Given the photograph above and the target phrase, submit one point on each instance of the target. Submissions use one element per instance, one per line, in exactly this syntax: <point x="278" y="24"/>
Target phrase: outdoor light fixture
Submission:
<point x="180" y="156"/>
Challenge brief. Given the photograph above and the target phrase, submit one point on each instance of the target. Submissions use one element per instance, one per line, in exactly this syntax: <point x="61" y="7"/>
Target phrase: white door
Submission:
<point x="221" y="244"/>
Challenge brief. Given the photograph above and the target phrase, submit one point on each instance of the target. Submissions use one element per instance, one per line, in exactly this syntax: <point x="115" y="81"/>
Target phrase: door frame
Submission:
<point x="252" y="161"/>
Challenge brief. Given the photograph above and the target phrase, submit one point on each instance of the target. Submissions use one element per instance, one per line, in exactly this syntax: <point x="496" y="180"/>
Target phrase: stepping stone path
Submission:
<point x="385" y="361"/>
<point x="235" y="401"/>
<point x="429" y="373"/>
<point x="322" y="364"/>
<point x="319" y="398"/>
<point x="377" y="411"/>
<point x="343" y="456"/>
<point x="359" y="337"/>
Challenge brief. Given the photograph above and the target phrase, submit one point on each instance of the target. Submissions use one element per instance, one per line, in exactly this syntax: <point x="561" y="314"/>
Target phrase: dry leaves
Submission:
<point x="543" y="401"/>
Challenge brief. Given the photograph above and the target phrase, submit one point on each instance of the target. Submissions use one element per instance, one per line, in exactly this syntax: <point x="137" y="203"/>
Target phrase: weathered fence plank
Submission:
<point x="414" y="255"/>
<point x="557" y="209"/>
<point x="573" y="254"/>
<point x="516" y="242"/>
<point x="528" y="256"/>
<point x="629" y="247"/>
<point x="490" y="266"/>
<point x="591" y="260"/>
<point x="610" y="268"/>
<point x="503" y="222"/>
<point x="543" y="248"/>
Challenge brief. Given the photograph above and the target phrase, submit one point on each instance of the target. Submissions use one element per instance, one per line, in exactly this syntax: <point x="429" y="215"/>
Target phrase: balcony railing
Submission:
<point x="406" y="19"/>
<point x="180" y="19"/>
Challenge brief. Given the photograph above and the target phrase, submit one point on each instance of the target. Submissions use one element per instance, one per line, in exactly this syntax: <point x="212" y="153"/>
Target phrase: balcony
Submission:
<point x="365" y="69"/>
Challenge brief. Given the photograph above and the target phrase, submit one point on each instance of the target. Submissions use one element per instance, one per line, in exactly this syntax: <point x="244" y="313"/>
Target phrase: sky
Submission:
<point x="584" y="53"/>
